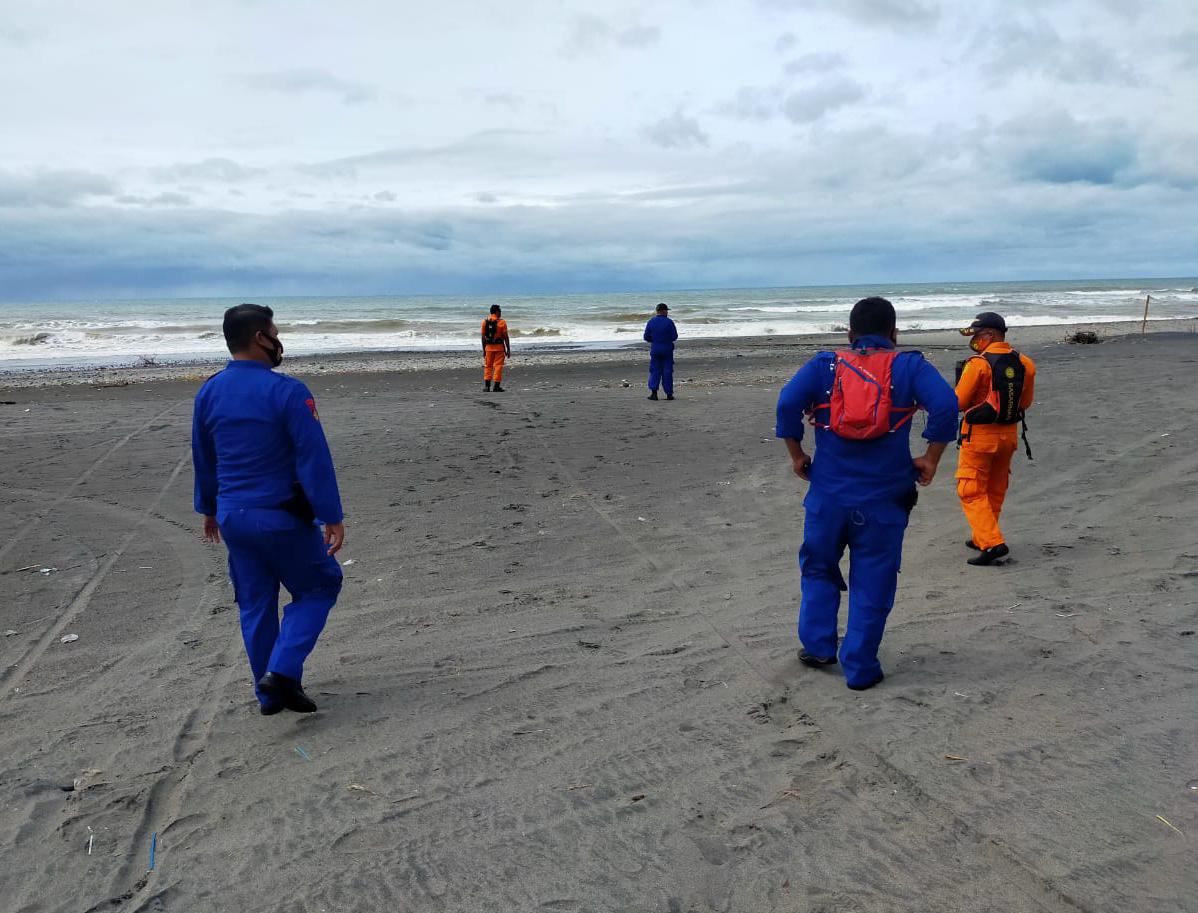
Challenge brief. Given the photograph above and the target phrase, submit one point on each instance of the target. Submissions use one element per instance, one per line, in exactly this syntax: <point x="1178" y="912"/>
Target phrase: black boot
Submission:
<point x="810" y="659"/>
<point x="287" y="691"/>
<point x="969" y="543"/>
<point x="487" y="385"/>
<point x="652" y="395"/>
<point x="497" y="388"/>
<point x="988" y="556"/>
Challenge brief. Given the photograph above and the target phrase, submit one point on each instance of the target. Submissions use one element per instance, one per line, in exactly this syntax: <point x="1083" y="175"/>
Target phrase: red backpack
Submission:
<point x="859" y="404"/>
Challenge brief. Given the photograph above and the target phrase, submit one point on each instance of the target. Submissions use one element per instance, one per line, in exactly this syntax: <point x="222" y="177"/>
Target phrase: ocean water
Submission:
<point x="41" y="334"/>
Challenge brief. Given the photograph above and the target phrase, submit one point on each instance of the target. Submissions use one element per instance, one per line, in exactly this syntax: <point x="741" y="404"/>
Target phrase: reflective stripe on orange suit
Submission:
<point x="984" y="464"/>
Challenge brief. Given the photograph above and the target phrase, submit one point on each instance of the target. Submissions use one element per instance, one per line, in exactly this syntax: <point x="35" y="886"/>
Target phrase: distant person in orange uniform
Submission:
<point x="496" y="347"/>
<point x="994" y="389"/>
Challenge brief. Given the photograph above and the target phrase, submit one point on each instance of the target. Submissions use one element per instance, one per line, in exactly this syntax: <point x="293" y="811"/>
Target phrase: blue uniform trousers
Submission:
<point x="269" y="547"/>
<point x="661" y="372"/>
<point x="875" y="543"/>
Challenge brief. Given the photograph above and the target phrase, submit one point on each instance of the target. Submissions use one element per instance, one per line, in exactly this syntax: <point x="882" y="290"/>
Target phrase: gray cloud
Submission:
<point x="1186" y="47"/>
<point x="811" y="104"/>
<point x="53" y="188"/>
<point x="589" y="34"/>
<point x="963" y="173"/>
<point x="676" y="131"/>
<point x="210" y="170"/>
<point x="310" y="79"/>
<point x="1015" y="48"/>
<point x="162" y="199"/>
<point x="639" y="36"/>
<point x="897" y="14"/>
<point x="815" y="63"/>
<point x="1054" y="147"/>
<point x="470" y="149"/>
<point x="751" y="103"/>
<point x="509" y="100"/>
<point x="765" y="238"/>
<point x="15" y="36"/>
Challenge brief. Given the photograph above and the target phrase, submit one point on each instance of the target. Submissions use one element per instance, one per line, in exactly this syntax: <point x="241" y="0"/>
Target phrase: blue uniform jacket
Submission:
<point x="254" y="434"/>
<point x="660" y="333"/>
<point x="876" y="473"/>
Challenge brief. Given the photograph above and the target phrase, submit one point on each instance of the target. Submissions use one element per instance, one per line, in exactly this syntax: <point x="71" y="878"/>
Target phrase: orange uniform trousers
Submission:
<point x="493" y="358"/>
<point x="983" y="471"/>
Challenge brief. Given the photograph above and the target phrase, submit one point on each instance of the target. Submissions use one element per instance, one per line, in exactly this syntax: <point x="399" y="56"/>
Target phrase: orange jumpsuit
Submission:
<point x="494" y="353"/>
<point x="984" y="465"/>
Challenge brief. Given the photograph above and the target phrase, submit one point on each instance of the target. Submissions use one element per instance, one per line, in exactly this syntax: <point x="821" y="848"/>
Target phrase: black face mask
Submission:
<point x="275" y="352"/>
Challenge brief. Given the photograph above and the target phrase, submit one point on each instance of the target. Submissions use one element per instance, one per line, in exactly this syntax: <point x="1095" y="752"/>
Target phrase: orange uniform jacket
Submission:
<point x="974" y="387"/>
<point x="500" y="336"/>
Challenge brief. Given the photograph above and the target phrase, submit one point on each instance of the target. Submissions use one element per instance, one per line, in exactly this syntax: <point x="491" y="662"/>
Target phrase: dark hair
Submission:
<point x="245" y="321"/>
<point x="872" y="317"/>
<point x="495" y="309"/>
<point x="662" y="307"/>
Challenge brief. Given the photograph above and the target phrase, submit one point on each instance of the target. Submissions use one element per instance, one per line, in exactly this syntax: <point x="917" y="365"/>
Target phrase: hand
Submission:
<point x="334" y="537"/>
<point x="211" y="530"/>
<point x="926" y="466"/>
<point x="802" y="467"/>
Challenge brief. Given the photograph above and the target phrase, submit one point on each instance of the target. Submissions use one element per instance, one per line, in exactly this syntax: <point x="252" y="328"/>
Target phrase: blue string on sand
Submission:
<point x="303" y="754"/>
<point x="153" y="848"/>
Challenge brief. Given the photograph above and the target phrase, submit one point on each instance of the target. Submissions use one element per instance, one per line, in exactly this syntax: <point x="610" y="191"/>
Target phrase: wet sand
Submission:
<point x="562" y="674"/>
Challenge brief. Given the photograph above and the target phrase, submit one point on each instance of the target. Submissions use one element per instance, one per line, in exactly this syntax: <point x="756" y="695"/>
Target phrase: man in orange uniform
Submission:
<point x="995" y="388"/>
<point x="496" y="347"/>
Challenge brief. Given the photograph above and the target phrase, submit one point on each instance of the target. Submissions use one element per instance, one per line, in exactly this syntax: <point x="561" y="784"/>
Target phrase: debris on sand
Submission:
<point x="89" y="777"/>
<point x="1169" y="824"/>
<point x="1083" y="338"/>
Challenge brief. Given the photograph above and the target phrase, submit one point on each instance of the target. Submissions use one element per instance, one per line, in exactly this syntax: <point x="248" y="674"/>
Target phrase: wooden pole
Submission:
<point x="1144" y="324"/>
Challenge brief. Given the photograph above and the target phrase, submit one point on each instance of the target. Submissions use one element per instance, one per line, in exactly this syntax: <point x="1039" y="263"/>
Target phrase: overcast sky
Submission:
<point x="255" y="147"/>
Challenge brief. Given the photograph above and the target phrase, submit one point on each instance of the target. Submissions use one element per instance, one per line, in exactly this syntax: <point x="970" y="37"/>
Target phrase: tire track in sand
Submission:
<point x="644" y="551"/>
<point x="16" y="673"/>
<point x="41" y="515"/>
<point x="1023" y="873"/>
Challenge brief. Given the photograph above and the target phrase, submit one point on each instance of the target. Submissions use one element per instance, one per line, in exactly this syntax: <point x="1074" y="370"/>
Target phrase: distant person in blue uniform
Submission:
<point x="862" y="481"/>
<point x="661" y="333"/>
<point x="264" y="480"/>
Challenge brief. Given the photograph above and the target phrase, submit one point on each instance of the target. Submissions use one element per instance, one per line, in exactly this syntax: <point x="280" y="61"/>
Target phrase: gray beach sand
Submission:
<point x="562" y="674"/>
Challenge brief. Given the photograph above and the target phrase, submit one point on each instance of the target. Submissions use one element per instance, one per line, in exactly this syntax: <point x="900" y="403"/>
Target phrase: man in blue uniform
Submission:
<point x="861" y="490"/>
<point x="660" y="333"/>
<point x="263" y="478"/>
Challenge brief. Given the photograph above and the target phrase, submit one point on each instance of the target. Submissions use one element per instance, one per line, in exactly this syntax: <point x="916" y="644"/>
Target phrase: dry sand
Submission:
<point x="562" y="674"/>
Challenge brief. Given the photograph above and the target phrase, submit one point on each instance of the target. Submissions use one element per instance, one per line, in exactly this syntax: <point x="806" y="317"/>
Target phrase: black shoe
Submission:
<point x="271" y="709"/>
<point x="487" y="386"/>
<point x="988" y="556"/>
<point x="498" y="389"/>
<point x="969" y="543"/>
<point x="287" y="691"/>
<point x="810" y="659"/>
<point x="867" y="685"/>
<point x="669" y="396"/>
<point x="652" y="395"/>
